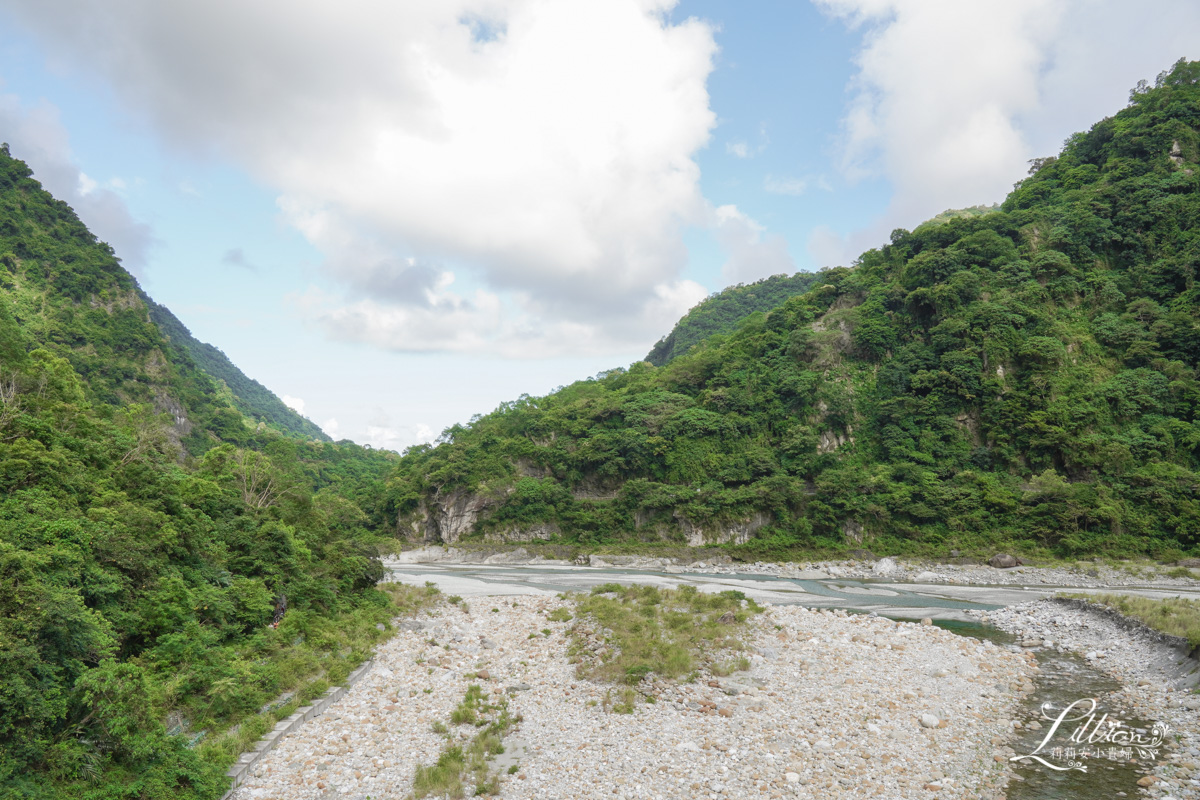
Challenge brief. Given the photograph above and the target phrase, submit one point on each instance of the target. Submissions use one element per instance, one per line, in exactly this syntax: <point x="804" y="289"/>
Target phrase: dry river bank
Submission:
<point x="832" y="705"/>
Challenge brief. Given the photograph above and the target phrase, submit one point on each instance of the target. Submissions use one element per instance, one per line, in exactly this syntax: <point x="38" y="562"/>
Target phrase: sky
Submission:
<point x="397" y="216"/>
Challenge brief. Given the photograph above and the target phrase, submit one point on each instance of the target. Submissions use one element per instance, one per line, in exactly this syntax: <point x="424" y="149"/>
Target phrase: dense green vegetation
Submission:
<point x="149" y="533"/>
<point x="250" y="397"/>
<point x="1024" y="378"/>
<point x="720" y="313"/>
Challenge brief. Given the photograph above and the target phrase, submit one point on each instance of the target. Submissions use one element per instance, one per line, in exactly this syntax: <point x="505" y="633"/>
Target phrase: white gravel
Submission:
<point x="832" y="706"/>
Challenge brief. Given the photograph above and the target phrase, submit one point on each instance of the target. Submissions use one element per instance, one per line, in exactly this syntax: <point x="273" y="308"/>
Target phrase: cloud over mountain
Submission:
<point x="543" y="150"/>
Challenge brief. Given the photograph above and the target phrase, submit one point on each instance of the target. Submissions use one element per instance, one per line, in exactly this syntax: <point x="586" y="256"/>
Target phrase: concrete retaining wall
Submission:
<point x="242" y="769"/>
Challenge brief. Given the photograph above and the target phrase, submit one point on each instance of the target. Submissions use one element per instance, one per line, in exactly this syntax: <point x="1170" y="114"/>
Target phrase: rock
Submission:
<point x="1004" y="561"/>
<point x="1188" y="562"/>
<point x="791" y="777"/>
<point x="690" y="747"/>
<point x="1031" y="643"/>
<point x="519" y="687"/>
<point x="727" y="618"/>
<point x="1147" y="781"/>
<point x="927" y="577"/>
<point x="483" y="675"/>
<point x="411" y="625"/>
<point x="885" y="566"/>
<point x="927" y="621"/>
<point x="929" y="721"/>
<point x="379" y="626"/>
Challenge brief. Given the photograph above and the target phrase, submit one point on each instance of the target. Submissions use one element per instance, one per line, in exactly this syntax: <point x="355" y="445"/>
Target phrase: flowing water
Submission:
<point x="1064" y="679"/>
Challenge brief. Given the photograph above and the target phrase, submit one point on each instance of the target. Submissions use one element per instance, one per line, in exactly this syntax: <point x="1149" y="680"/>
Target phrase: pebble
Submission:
<point x="795" y="727"/>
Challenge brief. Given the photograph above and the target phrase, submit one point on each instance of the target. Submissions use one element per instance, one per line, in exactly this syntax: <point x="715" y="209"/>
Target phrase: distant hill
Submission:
<point x="249" y="396"/>
<point x="721" y="313"/>
<point x="958" y="213"/>
<point x="1026" y="377"/>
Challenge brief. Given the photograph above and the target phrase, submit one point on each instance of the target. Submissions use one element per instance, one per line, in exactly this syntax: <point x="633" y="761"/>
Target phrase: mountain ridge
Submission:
<point x="1023" y="378"/>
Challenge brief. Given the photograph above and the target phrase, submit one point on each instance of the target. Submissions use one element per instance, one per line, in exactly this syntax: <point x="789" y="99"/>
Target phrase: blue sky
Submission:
<point x="401" y="215"/>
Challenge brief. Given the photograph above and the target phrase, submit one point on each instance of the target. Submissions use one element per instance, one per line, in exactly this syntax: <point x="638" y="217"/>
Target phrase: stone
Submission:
<point x="929" y="721"/>
<point x="885" y="566"/>
<point x="1147" y="781"/>
<point x="927" y="621"/>
<point x="927" y="577"/>
<point x="1004" y="561"/>
<point x="791" y="777"/>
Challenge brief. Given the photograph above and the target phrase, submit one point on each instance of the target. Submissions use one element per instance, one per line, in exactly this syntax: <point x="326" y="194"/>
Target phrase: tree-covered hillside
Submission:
<point x="1023" y="378"/>
<point x="250" y="397"/>
<point x="720" y="313"/>
<point x="149" y="533"/>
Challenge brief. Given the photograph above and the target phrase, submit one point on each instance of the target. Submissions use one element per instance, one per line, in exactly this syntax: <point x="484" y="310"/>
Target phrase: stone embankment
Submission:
<point x="832" y="705"/>
<point x="1154" y="670"/>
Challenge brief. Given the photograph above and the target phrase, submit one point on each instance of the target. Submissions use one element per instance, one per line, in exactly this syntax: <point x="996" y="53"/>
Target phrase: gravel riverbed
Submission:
<point x="833" y="705"/>
<point x="1155" y="679"/>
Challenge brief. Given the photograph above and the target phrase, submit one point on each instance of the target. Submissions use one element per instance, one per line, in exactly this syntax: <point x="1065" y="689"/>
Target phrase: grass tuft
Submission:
<point x="1175" y="616"/>
<point x="644" y="629"/>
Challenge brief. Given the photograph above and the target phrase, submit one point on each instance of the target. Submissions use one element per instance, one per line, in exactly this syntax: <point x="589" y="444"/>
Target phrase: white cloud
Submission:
<point x="827" y="248"/>
<point x="753" y="254"/>
<point x="330" y="426"/>
<point x="483" y="322"/>
<point x="294" y="403"/>
<point x="738" y="149"/>
<point x="37" y="137"/>
<point x="381" y="432"/>
<point x="789" y="186"/>
<point x="545" y="147"/>
<point x="951" y="99"/>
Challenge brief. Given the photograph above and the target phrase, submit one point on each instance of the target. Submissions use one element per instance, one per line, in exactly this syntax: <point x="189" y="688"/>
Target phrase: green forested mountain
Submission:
<point x="250" y="397"/>
<point x="1023" y="378"/>
<point x="148" y="534"/>
<point x="720" y="313"/>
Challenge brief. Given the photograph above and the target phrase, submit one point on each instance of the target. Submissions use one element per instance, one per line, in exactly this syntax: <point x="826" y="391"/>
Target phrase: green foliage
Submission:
<point x="722" y="312"/>
<point x="1022" y="378"/>
<point x="148" y="534"/>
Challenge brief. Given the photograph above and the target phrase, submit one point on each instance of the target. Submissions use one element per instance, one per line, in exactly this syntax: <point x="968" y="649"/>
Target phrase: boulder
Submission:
<point x="1004" y="561"/>
<point x="884" y="566"/>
